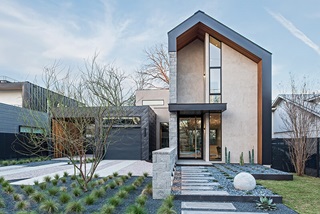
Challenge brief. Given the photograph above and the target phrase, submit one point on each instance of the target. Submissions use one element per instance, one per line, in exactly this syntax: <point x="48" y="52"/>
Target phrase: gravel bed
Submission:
<point x="225" y="183"/>
<point x="250" y="168"/>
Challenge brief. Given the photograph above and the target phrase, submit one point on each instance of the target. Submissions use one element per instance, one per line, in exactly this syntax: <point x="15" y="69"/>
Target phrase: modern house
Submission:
<point x="220" y="92"/>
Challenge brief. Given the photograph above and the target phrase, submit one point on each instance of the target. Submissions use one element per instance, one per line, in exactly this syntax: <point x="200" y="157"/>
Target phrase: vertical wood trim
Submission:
<point x="259" y="99"/>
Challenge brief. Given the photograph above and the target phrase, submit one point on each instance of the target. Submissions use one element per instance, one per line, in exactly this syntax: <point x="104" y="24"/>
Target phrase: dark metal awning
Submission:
<point x="197" y="108"/>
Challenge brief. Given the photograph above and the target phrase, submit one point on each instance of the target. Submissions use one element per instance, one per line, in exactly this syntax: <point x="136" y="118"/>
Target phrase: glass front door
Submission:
<point x="190" y="137"/>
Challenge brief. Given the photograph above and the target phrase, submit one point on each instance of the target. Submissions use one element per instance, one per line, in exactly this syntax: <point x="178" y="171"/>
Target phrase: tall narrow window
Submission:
<point x="215" y="70"/>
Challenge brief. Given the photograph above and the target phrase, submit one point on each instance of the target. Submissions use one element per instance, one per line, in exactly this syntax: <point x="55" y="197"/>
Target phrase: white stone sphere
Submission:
<point x="244" y="181"/>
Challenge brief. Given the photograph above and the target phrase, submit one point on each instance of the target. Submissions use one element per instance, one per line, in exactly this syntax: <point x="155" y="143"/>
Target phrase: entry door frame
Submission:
<point x="178" y="134"/>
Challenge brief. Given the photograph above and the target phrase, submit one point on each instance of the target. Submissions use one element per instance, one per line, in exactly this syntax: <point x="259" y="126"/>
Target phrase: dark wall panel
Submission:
<point x="125" y="145"/>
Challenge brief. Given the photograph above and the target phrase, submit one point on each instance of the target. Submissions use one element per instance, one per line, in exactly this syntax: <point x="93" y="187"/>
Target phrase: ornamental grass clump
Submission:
<point x="65" y="174"/>
<point x="115" y="201"/>
<point x="98" y="193"/>
<point x="122" y="194"/>
<point x="107" y="209"/>
<point x="74" y="207"/>
<point x="17" y="197"/>
<point x="22" y="205"/>
<point x="49" y="206"/>
<point x="89" y="199"/>
<point x="135" y="209"/>
<point x="77" y="191"/>
<point x="115" y="174"/>
<point x="2" y="180"/>
<point x="43" y="186"/>
<point x="53" y="191"/>
<point x="141" y="200"/>
<point x="2" y="203"/>
<point x="167" y="206"/>
<point x="8" y="189"/>
<point x="64" y="198"/>
<point x="38" y="197"/>
<point x="63" y="179"/>
<point x="54" y="182"/>
<point x="28" y="190"/>
<point x="47" y="179"/>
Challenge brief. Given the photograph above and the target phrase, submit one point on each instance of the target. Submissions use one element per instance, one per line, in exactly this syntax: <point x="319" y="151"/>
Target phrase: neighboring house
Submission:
<point x="220" y="92"/>
<point x="20" y="104"/>
<point x="307" y="103"/>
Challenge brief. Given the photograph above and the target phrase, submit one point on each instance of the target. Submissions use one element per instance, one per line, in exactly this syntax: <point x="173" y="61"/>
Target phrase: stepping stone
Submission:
<point x="198" y="174"/>
<point x="185" y="180"/>
<point x="201" y="184"/>
<point x="196" y="187"/>
<point x="198" y="177"/>
<point x="193" y="175"/>
<point x="207" y="206"/>
<point x="215" y="212"/>
<point x="191" y="192"/>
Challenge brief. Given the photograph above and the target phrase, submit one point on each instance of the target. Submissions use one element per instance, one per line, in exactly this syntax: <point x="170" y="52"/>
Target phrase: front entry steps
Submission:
<point x="210" y="208"/>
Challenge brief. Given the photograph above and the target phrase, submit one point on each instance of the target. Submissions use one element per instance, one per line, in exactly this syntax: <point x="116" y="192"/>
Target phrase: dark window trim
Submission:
<point x="216" y="67"/>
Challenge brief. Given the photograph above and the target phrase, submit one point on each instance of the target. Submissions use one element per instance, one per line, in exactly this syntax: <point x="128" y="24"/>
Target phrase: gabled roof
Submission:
<point x="200" y="23"/>
<point x="300" y="100"/>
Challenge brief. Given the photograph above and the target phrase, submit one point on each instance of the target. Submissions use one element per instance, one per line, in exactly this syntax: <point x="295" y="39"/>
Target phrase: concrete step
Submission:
<point x="201" y="184"/>
<point x="197" y="177"/>
<point x="196" y="188"/>
<point x="203" y="192"/>
<point x="207" y="205"/>
<point x="194" y="181"/>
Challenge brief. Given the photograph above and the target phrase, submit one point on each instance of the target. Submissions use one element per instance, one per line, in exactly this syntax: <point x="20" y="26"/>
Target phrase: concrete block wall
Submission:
<point x="164" y="161"/>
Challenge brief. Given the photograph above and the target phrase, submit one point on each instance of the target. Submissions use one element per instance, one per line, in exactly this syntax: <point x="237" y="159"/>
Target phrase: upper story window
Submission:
<point x="152" y="102"/>
<point x="215" y="70"/>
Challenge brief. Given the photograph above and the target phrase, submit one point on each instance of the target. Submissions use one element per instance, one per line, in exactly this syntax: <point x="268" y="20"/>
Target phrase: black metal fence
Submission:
<point x="281" y="159"/>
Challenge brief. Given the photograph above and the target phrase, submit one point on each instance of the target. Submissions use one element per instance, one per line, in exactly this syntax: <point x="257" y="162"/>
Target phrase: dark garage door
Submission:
<point x="125" y="145"/>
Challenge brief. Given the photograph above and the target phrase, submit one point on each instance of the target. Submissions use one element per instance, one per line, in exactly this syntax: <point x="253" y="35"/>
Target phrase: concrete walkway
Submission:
<point x="28" y="173"/>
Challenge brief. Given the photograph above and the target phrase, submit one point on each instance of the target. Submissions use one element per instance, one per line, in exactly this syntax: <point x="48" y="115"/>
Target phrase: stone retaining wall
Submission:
<point x="164" y="161"/>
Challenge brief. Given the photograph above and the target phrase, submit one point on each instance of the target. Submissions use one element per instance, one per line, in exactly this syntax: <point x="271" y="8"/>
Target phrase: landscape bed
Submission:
<point x="112" y="194"/>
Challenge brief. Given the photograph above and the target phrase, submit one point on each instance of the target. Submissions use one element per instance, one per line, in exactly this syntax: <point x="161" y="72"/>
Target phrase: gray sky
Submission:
<point x="35" y="33"/>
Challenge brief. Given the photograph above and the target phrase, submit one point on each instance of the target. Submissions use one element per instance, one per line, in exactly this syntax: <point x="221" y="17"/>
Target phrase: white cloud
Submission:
<point x="295" y="31"/>
<point x="30" y="40"/>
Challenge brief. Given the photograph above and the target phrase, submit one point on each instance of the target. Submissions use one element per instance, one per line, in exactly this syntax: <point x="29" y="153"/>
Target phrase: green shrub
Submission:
<point x="115" y="174"/>
<point x="148" y="189"/>
<point x="266" y="204"/>
<point x="130" y="174"/>
<point x="166" y="210"/>
<point x="110" y="176"/>
<point x="28" y="190"/>
<point x="49" y="206"/>
<point x="47" y="179"/>
<point x="105" y="179"/>
<point x="92" y="184"/>
<point x="89" y="199"/>
<point x="9" y="189"/>
<point x="2" y="203"/>
<point x="73" y="177"/>
<point x="53" y="191"/>
<point x="74" y="185"/>
<point x="124" y="178"/>
<point x="74" y="207"/>
<point x="43" y="186"/>
<point x="100" y="182"/>
<point x="22" y="205"/>
<point x="107" y="209"/>
<point x="37" y="197"/>
<point x="63" y="179"/>
<point x="168" y="201"/>
<point x="36" y="182"/>
<point x="122" y="194"/>
<point x="54" y="182"/>
<point x="96" y="176"/>
<point x="56" y="176"/>
<point x="141" y="200"/>
<point x="77" y="191"/>
<point x="64" y="198"/>
<point x="114" y="201"/>
<point x="119" y="182"/>
<point x="13" y="162"/>
<point x="129" y="188"/>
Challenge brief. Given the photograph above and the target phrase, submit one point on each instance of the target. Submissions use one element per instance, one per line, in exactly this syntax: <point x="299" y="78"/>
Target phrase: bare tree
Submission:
<point x="81" y="116"/>
<point x="301" y="123"/>
<point x="156" y="69"/>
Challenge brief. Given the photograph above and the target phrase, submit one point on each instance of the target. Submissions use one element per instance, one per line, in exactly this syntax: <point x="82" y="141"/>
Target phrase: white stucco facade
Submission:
<point x="11" y="97"/>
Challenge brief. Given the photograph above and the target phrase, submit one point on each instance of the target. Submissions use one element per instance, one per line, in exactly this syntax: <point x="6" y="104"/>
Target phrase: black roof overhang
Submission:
<point x="197" y="108"/>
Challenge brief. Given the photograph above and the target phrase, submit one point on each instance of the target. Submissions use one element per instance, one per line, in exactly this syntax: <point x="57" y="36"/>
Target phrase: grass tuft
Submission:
<point x="49" y="206"/>
<point x="64" y="198"/>
<point x="74" y="207"/>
